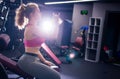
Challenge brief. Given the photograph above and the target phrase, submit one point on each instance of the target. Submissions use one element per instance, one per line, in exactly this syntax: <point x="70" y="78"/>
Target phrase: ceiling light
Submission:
<point x="63" y="2"/>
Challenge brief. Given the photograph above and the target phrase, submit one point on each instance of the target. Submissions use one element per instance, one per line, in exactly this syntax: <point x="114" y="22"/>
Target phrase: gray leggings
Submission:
<point x="32" y="65"/>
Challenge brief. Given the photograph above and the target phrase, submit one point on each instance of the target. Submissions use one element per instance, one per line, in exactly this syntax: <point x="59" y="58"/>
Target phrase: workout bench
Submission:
<point x="12" y="66"/>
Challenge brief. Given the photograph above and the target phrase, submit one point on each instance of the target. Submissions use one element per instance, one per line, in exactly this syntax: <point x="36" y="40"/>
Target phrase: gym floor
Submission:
<point x="80" y="69"/>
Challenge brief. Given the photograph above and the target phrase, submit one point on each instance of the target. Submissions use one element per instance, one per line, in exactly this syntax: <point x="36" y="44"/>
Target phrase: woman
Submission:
<point x="28" y="16"/>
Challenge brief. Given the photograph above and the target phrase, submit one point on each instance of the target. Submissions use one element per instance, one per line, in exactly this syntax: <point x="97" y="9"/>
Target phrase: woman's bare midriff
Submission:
<point x="34" y="50"/>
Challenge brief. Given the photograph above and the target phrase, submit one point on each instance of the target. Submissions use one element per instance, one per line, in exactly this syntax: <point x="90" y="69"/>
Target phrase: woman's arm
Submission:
<point x="41" y="57"/>
<point x="48" y="32"/>
<point x="44" y="60"/>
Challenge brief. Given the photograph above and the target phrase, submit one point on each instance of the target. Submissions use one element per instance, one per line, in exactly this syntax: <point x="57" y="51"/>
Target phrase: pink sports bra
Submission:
<point x="35" y="42"/>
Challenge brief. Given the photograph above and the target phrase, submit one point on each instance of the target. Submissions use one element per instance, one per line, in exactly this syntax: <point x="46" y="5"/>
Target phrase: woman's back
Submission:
<point x="32" y="42"/>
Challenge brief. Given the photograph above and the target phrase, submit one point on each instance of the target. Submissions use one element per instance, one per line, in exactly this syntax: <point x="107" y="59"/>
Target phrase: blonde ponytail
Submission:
<point x="23" y="14"/>
<point x="20" y="16"/>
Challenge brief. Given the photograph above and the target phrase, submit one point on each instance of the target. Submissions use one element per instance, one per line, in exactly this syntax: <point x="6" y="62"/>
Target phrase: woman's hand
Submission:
<point x="48" y="63"/>
<point x="57" y="19"/>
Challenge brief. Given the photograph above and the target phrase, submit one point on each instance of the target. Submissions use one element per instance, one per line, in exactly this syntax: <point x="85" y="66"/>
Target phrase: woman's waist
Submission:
<point x="34" y="50"/>
<point x="31" y="54"/>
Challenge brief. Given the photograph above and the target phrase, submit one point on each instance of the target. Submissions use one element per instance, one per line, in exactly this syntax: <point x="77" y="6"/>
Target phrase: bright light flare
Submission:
<point x="72" y="55"/>
<point x="48" y="26"/>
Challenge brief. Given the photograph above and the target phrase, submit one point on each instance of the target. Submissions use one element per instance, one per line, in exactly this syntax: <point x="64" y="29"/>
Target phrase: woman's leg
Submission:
<point x="44" y="72"/>
<point x="30" y="65"/>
